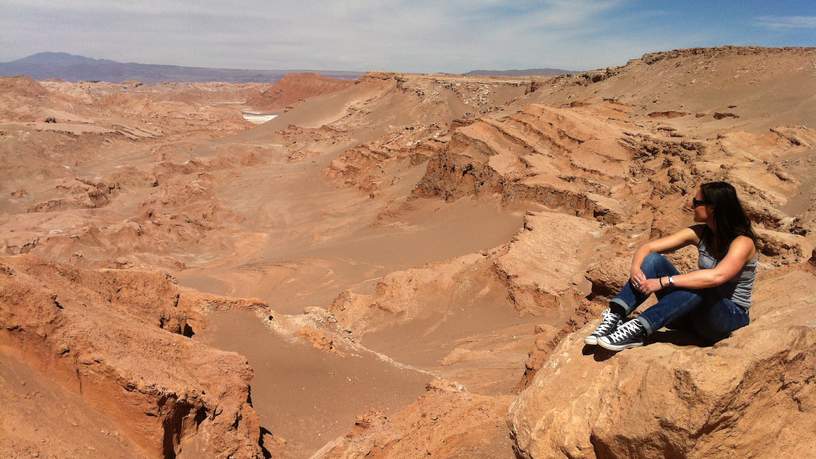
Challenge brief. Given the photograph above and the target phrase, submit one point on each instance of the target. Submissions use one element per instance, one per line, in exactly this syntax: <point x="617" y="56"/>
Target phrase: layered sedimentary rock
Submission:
<point x="750" y="395"/>
<point x="120" y="340"/>
<point x="563" y="158"/>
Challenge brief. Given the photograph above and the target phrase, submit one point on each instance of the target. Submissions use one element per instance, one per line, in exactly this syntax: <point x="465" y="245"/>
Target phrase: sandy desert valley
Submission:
<point x="399" y="265"/>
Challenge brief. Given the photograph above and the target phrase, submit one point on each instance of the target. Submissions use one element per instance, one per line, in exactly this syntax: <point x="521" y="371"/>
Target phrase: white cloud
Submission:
<point x="402" y="35"/>
<point x="787" y="22"/>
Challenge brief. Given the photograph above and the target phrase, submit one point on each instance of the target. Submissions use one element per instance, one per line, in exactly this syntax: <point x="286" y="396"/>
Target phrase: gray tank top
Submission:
<point x="737" y="289"/>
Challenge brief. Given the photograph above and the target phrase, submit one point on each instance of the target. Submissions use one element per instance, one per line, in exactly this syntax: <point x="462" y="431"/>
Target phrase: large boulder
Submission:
<point x="751" y="395"/>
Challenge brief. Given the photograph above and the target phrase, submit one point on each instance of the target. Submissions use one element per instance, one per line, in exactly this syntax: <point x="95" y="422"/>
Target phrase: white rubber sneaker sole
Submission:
<point x="592" y="340"/>
<point x="613" y="347"/>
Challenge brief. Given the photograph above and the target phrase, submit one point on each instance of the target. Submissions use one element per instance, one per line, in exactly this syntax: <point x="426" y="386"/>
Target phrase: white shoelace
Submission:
<point x="628" y="330"/>
<point x="609" y="321"/>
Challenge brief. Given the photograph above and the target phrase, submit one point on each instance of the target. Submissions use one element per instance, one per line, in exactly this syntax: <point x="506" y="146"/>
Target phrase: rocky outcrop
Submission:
<point x="402" y="296"/>
<point x="444" y="422"/>
<point x="564" y="158"/>
<point x="720" y="51"/>
<point x="430" y="107"/>
<point x="367" y="166"/>
<point x="82" y="193"/>
<point x="544" y="265"/>
<point x="752" y="394"/>
<point x="121" y="341"/>
<point x="542" y="269"/>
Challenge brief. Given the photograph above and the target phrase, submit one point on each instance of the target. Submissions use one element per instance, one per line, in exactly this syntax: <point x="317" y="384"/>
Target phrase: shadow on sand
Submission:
<point x="676" y="337"/>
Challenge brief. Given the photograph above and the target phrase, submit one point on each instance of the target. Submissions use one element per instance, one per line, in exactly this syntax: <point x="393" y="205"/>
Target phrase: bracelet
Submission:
<point x="660" y="280"/>
<point x="671" y="281"/>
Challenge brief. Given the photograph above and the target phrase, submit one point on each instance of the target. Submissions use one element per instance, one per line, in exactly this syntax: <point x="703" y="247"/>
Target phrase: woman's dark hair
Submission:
<point x="729" y="217"/>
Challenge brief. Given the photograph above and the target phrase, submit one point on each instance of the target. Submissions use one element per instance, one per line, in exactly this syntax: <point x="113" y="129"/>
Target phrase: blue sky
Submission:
<point x="399" y="35"/>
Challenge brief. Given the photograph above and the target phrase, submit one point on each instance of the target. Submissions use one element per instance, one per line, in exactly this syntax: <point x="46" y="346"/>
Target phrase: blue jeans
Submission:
<point x="702" y="311"/>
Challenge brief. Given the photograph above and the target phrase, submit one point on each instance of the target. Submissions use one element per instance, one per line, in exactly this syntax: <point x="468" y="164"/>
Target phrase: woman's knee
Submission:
<point x="652" y="262"/>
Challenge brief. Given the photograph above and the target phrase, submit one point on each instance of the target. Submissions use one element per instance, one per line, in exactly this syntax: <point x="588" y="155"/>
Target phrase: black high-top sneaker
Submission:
<point x="630" y="334"/>
<point x="609" y="323"/>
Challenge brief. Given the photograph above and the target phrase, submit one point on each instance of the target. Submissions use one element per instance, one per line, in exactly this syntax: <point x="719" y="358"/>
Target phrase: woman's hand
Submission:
<point x="637" y="277"/>
<point x="649" y="286"/>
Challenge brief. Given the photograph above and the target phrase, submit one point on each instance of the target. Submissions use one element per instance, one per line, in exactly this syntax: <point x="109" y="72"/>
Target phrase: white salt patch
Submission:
<point x="258" y="118"/>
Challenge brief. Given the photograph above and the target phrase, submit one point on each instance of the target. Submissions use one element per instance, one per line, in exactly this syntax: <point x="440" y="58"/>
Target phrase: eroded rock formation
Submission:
<point x="388" y="232"/>
<point x="672" y="398"/>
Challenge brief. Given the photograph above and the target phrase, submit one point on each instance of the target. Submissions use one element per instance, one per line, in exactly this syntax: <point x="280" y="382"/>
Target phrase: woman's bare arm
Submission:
<point x="677" y="240"/>
<point x="738" y="254"/>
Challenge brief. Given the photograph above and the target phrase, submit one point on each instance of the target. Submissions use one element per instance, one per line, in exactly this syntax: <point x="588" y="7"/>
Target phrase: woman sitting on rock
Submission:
<point x="712" y="301"/>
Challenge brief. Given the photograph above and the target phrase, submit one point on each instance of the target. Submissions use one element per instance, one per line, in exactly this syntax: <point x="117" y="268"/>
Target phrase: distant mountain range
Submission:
<point x="519" y="72"/>
<point x="70" y="67"/>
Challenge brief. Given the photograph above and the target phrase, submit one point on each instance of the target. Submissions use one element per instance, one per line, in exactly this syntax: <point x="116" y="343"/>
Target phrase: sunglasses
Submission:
<point x="698" y="202"/>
